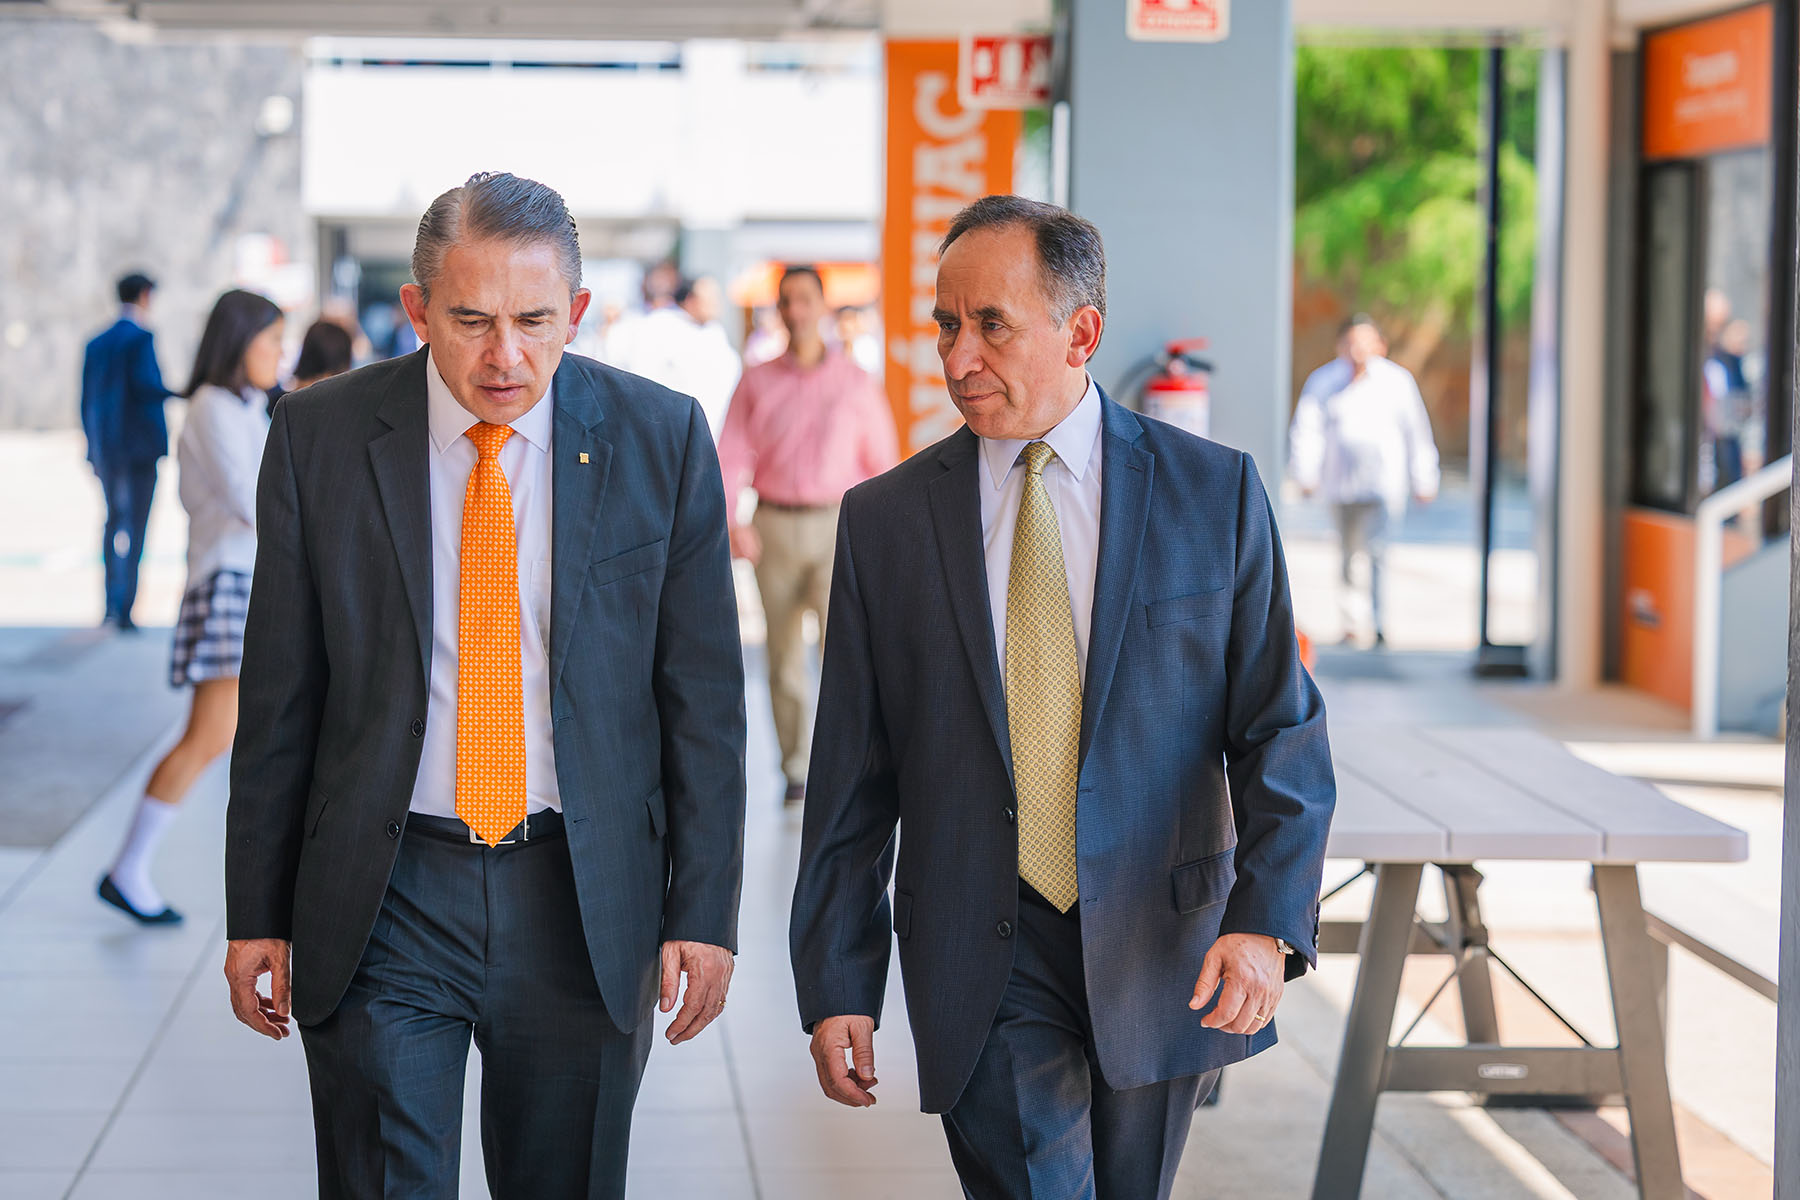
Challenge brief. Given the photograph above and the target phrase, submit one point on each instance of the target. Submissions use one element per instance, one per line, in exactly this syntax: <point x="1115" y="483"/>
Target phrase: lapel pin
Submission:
<point x="584" y="458"/>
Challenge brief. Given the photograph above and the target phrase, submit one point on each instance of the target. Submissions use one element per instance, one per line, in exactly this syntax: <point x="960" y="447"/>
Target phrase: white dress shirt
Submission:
<point x="220" y="454"/>
<point x="1363" y="439"/>
<point x="525" y="458"/>
<point x="1073" y="482"/>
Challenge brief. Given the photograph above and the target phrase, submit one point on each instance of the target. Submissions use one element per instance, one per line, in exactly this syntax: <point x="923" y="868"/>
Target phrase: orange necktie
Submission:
<point x="490" y="705"/>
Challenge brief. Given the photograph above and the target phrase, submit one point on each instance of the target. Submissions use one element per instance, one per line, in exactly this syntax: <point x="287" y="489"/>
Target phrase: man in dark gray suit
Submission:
<point x="1063" y="665"/>
<point x="489" y="774"/>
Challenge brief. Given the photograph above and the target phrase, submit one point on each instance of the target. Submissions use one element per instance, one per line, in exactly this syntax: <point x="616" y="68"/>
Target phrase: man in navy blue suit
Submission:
<point x="1063" y="679"/>
<point x="122" y="396"/>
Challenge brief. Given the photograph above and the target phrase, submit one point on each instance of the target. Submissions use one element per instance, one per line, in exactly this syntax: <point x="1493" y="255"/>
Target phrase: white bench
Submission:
<point x="1409" y="796"/>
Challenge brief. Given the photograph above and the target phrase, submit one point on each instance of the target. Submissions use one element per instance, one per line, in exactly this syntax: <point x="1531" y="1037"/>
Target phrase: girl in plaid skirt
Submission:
<point x="219" y="455"/>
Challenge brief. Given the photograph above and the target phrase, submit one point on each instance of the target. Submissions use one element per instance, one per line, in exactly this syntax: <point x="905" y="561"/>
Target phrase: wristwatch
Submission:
<point x="1282" y="947"/>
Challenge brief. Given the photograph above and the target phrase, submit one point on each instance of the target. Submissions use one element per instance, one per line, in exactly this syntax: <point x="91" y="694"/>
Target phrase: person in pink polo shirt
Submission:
<point x="802" y="430"/>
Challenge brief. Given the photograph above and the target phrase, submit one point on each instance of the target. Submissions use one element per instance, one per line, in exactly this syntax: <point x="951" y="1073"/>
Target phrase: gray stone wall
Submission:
<point x="119" y="156"/>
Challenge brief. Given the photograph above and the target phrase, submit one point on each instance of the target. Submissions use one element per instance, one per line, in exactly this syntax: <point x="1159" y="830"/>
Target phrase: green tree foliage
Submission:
<point x="1388" y="177"/>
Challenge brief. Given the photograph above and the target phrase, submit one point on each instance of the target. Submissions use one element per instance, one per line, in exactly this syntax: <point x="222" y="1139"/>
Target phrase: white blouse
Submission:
<point x="220" y="456"/>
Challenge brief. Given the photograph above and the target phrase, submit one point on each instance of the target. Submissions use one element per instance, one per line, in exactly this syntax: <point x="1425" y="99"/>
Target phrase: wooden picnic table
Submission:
<point x="1411" y="795"/>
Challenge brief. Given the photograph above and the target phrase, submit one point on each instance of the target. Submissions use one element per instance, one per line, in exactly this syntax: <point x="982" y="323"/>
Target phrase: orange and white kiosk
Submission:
<point x="1701" y="412"/>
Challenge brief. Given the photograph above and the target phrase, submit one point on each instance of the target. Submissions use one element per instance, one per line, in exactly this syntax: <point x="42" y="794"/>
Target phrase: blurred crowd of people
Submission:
<point x="799" y="417"/>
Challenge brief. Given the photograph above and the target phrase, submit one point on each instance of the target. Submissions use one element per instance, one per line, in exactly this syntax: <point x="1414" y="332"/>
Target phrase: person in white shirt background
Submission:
<point x="713" y="366"/>
<point x="220" y="455"/>
<point x="1361" y="438"/>
<point x="620" y="348"/>
<point x="859" y="341"/>
<point x="682" y="346"/>
<point x="767" y="339"/>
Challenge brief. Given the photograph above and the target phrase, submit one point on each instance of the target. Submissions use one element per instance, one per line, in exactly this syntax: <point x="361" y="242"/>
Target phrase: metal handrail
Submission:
<point x="1712" y="956"/>
<point x="1709" y="578"/>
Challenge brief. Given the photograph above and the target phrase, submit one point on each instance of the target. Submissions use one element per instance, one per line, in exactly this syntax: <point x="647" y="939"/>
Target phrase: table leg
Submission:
<point x="1630" y="970"/>
<point x="1386" y="937"/>
<point x="1475" y="984"/>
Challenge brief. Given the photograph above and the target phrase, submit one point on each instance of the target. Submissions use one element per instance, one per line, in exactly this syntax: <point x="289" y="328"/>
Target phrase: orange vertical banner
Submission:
<point x="940" y="157"/>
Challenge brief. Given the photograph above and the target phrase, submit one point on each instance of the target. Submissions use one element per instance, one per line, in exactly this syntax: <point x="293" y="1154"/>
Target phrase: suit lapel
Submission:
<point x="578" y="490"/>
<point x="1128" y="473"/>
<point x="956" y="516"/>
<point x="398" y="455"/>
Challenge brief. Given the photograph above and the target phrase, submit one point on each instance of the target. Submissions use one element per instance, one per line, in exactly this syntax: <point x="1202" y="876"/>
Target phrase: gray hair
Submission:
<point x="1071" y="257"/>
<point x="494" y="204"/>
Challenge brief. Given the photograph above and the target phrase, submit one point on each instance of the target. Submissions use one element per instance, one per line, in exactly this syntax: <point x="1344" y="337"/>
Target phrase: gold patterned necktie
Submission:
<point x="1043" y="691"/>
<point x="490" y="705"/>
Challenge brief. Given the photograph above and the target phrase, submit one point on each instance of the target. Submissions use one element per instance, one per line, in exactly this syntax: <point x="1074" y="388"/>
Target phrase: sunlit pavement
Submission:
<point x="123" y="1074"/>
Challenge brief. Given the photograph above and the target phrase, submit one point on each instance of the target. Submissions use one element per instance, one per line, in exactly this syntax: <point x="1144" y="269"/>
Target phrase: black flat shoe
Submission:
<point x="109" y="892"/>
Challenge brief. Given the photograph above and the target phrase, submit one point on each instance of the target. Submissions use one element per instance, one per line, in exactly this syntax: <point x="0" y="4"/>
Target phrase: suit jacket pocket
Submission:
<point x="902" y="914"/>
<point x="623" y="566"/>
<point x="659" y="812"/>
<point x="1190" y="608"/>
<point x="316" y="803"/>
<point x="1204" y="882"/>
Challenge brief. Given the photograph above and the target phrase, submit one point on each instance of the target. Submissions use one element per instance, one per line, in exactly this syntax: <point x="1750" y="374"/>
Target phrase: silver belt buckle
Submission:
<point x="524" y="835"/>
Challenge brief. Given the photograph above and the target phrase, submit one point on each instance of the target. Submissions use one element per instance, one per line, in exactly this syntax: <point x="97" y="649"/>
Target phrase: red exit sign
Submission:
<point x="1004" y="70"/>
<point x="1178" y="20"/>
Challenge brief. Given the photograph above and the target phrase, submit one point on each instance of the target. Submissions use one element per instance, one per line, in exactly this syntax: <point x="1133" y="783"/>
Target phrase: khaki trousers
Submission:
<point x="794" y="577"/>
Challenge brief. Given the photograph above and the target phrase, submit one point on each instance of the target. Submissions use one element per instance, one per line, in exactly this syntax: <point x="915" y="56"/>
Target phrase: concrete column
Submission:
<point x="1183" y="155"/>
<point x="708" y="181"/>
<point x="1580" y="582"/>
<point x="1546" y="352"/>
<point x="1787" y="1024"/>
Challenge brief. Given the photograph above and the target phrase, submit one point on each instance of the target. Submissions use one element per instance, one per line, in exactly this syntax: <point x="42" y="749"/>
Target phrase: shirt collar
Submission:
<point x="450" y="420"/>
<point x="791" y="361"/>
<point x="1073" y="440"/>
<point x="131" y="312"/>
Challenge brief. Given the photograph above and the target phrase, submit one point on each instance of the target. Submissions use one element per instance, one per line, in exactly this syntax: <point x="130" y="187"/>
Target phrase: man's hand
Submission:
<point x="1246" y="970"/>
<point x="708" y="970"/>
<point x="851" y="1084"/>
<point x="746" y="544"/>
<point x="245" y="963"/>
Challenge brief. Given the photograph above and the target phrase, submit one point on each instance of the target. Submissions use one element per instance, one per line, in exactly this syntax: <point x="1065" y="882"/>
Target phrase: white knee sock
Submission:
<point x="131" y="872"/>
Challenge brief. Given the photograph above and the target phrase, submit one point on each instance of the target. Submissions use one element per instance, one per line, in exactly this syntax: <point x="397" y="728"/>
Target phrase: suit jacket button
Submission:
<point x="418" y="728"/>
<point x="1010" y="815"/>
<point x="1004" y="929"/>
<point x="393" y="829"/>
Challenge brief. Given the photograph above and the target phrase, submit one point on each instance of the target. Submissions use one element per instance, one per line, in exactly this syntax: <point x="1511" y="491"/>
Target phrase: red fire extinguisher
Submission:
<point x="1180" y="389"/>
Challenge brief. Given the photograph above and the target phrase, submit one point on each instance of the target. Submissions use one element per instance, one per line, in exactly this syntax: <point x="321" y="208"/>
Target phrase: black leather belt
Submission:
<point x="536" y="827"/>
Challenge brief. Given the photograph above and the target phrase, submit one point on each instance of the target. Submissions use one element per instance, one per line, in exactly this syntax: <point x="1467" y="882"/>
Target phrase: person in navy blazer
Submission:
<point x="1066" y="1051"/>
<point x="122" y="396"/>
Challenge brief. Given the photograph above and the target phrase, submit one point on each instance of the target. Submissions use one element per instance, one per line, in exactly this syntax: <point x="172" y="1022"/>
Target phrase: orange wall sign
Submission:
<point x="1706" y="85"/>
<point x="940" y="157"/>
